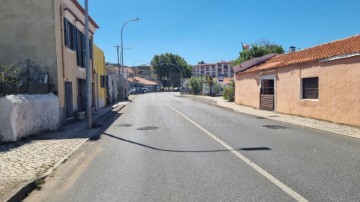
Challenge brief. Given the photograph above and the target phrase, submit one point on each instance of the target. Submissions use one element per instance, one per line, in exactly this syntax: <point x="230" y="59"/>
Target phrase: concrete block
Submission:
<point x="24" y="115"/>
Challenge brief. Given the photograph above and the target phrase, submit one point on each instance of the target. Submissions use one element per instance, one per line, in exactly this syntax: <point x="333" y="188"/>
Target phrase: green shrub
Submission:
<point x="217" y="88"/>
<point x="196" y="84"/>
<point x="229" y="92"/>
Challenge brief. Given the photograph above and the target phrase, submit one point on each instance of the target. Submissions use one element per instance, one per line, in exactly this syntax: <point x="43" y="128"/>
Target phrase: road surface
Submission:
<point x="168" y="148"/>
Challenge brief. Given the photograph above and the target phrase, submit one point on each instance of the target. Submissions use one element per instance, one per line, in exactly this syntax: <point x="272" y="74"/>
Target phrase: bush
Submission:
<point x="17" y="78"/>
<point x="196" y="84"/>
<point x="217" y="88"/>
<point x="229" y="92"/>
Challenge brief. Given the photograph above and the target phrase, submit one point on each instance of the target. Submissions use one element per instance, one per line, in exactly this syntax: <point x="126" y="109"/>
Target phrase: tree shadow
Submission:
<point x="186" y="151"/>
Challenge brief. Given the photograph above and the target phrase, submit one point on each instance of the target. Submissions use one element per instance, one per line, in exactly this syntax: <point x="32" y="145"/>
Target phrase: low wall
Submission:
<point x="24" y="115"/>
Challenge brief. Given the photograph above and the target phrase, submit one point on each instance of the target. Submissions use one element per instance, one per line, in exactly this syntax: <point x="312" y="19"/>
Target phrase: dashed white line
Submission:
<point x="263" y="172"/>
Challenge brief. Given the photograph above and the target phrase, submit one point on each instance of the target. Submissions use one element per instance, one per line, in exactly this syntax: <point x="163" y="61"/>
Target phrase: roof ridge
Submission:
<point x="331" y="42"/>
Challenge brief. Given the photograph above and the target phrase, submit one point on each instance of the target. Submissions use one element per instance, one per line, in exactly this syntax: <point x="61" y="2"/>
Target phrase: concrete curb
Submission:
<point x="22" y="192"/>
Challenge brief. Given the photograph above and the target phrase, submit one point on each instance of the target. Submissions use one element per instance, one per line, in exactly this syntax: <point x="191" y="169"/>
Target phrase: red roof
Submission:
<point x="335" y="48"/>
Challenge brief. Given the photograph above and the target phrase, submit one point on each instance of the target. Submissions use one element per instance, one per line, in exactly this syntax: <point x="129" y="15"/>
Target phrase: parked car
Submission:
<point x="145" y="90"/>
<point x="135" y="91"/>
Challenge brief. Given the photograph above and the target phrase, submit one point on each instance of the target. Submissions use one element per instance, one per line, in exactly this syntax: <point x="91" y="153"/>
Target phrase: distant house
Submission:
<point x="322" y="82"/>
<point x="51" y="34"/>
<point x="138" y="83"/>
<point x="113" y="91"/>
<point x="145" y="72"/>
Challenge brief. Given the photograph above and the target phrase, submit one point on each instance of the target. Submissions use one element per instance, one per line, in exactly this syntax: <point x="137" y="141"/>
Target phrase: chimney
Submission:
<point x="292" y="49"/>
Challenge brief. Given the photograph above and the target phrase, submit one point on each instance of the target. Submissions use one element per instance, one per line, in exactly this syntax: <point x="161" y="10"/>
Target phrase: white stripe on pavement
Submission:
<point x="263" y="172"/>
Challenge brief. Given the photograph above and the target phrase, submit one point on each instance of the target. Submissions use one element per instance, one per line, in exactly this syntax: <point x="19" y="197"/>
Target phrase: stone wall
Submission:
<point x="24" y="115"/>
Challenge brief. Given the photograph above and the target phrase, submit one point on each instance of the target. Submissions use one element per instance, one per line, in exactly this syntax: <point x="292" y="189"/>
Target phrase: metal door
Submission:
<point x="68" y="100"/>
<point x="267" y="94"/>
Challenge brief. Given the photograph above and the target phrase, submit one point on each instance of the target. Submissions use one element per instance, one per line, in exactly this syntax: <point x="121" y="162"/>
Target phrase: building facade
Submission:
<point x="322" y="82"/>
<point x="51" y="34"/>
<point x="100" y="78"/>
<point x="215" y="70"/>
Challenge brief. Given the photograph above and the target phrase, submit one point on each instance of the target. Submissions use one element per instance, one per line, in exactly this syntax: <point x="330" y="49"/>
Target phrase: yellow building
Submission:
<point x="99" y="77"/>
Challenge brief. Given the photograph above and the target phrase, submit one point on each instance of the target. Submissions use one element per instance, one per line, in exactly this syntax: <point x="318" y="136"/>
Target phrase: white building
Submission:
<point x="215" y="69"/>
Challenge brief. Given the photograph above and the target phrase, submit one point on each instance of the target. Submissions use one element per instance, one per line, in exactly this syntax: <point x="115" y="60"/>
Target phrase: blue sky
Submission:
<point x="212" y="30"/>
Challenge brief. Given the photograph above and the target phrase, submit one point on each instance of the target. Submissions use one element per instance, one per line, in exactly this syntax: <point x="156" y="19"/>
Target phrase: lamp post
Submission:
<point x="181" y="72"/>
<point x="122" y="55"/>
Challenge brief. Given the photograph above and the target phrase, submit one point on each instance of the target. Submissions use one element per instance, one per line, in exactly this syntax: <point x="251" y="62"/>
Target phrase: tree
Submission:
<point x="165" y="66"/>
<point x="258" y="49"/>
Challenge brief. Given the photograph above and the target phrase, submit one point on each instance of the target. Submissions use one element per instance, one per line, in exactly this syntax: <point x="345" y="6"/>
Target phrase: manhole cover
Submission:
<point x="274" y="126"/>
<point x="125" y="125"/>
<point x="148" y="128"/>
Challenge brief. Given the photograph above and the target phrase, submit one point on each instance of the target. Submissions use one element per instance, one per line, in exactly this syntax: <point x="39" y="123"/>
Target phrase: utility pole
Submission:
<point x="118" y="63"/>
<point x="87" y="64"/>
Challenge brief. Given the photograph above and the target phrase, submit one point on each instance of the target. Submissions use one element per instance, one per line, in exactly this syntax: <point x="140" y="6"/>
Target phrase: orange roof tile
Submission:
<point x="331" y="49"/>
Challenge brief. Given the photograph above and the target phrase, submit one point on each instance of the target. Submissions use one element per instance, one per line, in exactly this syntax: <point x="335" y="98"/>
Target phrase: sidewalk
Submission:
<point x="303" y="121"/>
<point x="36" y="157"/>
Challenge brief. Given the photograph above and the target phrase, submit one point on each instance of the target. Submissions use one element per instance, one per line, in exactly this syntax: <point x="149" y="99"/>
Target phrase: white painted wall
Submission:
<point x="24" y="115"/>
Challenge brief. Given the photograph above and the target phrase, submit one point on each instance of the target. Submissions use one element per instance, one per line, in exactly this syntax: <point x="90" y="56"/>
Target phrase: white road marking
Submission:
<point x="263" y="172"/>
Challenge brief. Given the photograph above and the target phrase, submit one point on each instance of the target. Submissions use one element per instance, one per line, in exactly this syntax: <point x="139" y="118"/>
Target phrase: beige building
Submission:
<point x="322" y="82"/>
<point x="51" y="34"/>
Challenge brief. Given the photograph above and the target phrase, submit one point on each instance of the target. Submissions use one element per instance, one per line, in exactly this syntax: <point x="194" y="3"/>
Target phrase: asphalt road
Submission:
<point x="167" y="148"/>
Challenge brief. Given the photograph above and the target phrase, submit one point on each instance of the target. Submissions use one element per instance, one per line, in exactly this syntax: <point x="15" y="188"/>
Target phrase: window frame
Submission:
<point x="306" y="85"/>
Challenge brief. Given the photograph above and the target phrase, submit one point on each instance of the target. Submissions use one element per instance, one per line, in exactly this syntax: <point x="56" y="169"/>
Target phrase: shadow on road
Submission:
<point x="186" y="151"/>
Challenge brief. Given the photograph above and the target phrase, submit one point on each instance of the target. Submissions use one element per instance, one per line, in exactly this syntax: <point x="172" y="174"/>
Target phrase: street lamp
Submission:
<point x="181" y="72"/>
<point x="122" y="56"/>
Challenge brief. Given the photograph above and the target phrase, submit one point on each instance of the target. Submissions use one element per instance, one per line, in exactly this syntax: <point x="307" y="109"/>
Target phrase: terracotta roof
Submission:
<point x="335" y="48"/>
<point x="142" y="80"/>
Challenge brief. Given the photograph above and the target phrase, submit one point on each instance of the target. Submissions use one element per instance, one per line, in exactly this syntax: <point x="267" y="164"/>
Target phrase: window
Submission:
<point x="66" y="33"/>
<point x="310" y="88"/>
<point x="226" y="71"/>
<point x="75" y="40"/>
<point x="102" y="81"/>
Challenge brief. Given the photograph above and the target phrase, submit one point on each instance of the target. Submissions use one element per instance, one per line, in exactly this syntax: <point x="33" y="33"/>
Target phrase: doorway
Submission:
<point x="68" y="100"/>
<point x="267" y="92"/>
